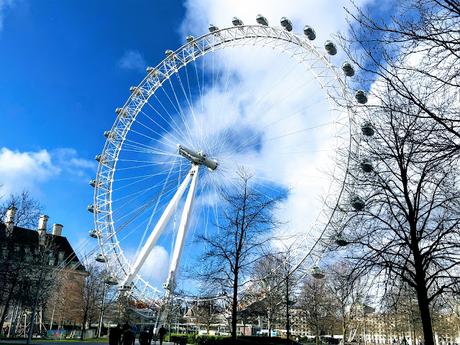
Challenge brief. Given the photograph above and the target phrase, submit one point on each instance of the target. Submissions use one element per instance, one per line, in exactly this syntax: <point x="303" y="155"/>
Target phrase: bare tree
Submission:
<point x="318" y="306"/>
<point x="91" y="291"/>
<point x="16" y="265"/>
<point x="348" y="291"/>
<point x="267" y="287"/>
<point x="206" y="311"/>
<point x="416" y="52"/>
<point x="28" y="209"/>
<point x="404" y="222"/>
<point x="237" y="244"/>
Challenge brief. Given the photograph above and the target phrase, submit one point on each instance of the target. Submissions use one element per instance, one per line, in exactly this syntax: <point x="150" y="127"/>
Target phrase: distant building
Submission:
<point x="42" y="269"/>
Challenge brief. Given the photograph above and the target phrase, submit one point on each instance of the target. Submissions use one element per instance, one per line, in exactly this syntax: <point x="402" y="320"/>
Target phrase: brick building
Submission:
<point x="40" y="271"/>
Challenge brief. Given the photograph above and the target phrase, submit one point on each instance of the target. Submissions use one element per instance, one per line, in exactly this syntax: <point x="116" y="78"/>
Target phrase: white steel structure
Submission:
<point x="138" y="156"/>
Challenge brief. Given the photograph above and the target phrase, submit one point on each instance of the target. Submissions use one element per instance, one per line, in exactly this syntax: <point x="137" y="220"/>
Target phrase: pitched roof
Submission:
<point x="29" y="238"/>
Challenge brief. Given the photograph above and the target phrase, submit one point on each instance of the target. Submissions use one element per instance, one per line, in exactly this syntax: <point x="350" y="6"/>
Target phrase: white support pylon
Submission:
<point x="170" y="283"/>
<point x="159" y="227"/>
<point x="181" y="233"/>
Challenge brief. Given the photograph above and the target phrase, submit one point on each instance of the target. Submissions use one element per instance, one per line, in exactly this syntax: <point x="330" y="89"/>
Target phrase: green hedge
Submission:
<point x="221" y="340"/>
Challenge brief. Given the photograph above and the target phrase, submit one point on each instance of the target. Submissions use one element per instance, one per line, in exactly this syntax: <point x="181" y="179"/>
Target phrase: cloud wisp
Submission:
<point x="132" y="60"/>
<point x="4" y="6"/>
<point x="26" y="170"/>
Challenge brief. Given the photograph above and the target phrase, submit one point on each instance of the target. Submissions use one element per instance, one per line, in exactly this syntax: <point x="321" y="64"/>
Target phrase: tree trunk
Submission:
<point x="288" y="326"/>
<point x="425" y="315"/>
<point x="7" y="306"/>
<point x="234" y="304"/>
<point x="421" y="288"/>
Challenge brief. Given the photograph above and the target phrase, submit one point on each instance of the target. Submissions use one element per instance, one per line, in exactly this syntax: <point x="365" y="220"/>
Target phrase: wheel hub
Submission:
<point x="197" y="157"/>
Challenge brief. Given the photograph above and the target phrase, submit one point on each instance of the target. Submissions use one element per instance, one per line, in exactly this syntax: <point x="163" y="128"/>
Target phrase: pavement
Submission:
<point x="71" y="342"/>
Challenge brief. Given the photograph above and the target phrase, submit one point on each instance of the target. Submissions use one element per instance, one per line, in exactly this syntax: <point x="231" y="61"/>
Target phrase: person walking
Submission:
<point x="144" y="337"/>
<point x="129" y="338"/>
<point x="115" y="335"/>
<point x="161" y="333"/>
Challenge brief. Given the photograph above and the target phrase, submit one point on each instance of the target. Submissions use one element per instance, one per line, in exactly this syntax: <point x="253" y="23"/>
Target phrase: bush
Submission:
<point x="181" y="338"/>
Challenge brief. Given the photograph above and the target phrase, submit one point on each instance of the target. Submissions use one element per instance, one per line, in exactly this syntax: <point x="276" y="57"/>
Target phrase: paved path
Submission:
<point x="51" y="342"/>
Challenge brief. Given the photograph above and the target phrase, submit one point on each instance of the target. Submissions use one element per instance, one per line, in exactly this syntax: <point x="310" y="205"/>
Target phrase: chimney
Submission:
<point x="10" y="214"/>
<point x="42" y="228"/>
<point x="57" y="229"/>
<point x="42" y="222"/>
<point x="9" y="219"/>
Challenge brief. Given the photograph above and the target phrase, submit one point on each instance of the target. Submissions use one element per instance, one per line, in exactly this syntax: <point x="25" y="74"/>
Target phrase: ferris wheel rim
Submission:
<point x="103" y="196"/>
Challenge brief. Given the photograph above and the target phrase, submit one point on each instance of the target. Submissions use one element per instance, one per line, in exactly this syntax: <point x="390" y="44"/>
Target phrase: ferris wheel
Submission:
<point x="194" y="120"/>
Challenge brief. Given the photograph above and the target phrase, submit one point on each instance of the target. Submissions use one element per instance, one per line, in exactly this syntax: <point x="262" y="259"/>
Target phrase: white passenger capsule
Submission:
<point x="357" y="203"/>
<point x="367" y="129"/>
<point x="317" y="272"/>
<point x="92" y="183"/>
<point x="361" y="97"/>
<point x="90" y="208"/>
<point x="151" y="70"/>
<point x="190" y="39"/>
<point x="93" y="233"/>
<point x="286" y="23"/>
<point x="366" y="166"/>
<point x="348" y="69"/>
<point x="237" y="22"/>
<point x="309" y="32"/>
<point x="330" y="47"/>
<point x="111" y="280"/>
<point x="341" y="241"/>
<point x="260" y="19"/>
<point x="121" y="112"/>
<point x="101" y="258"/>
<point x="212" y="28"/>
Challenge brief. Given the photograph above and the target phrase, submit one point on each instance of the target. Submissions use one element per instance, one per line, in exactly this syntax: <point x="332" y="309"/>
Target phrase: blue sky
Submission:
<point x="62" y="75"/>
<point x="66" y="65"/>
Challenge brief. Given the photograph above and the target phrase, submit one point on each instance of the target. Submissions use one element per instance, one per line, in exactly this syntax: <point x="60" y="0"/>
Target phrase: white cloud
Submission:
<point x="132" y="60"/>
<point x="155" y="268"/>
<point x="4" y="5"/>
<point x="307" y="175"/>
<point x="261" y="93"/>
<point x="23" y="170"/>
<point x="26" y="170"/>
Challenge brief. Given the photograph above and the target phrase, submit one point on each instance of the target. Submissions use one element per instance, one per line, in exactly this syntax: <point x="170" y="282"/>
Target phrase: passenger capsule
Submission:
<point x="190" y="39"/>
<point x="367" y="166"/>
<point x="260" y="19"/>
<point x="367" y="129"/>
<point x="212" y="28"/>
<point x="330" y="48"/>
<point x="361" y="97"/>
<point x="348" y="69"/>
<point x="309" y="32"/>
<point x="108" y="134"/>
<point x="135" y="91"/>
<point x="121" y="112"/>
<point x="98" y="158"/>
<point x="111" y="280"/>
<point x="286" y="23"/>
<point x="101" y="258"/>
<point x="90" y="208"/>
<point x="93" y="233"/>
<point x="340" y="241"/>
<point x="237" y="22"/>
<point x="151" y="70"/>
<point x="317" y="272"/>
<point x="92" y="183"/>
<point x="357" y="203"/>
